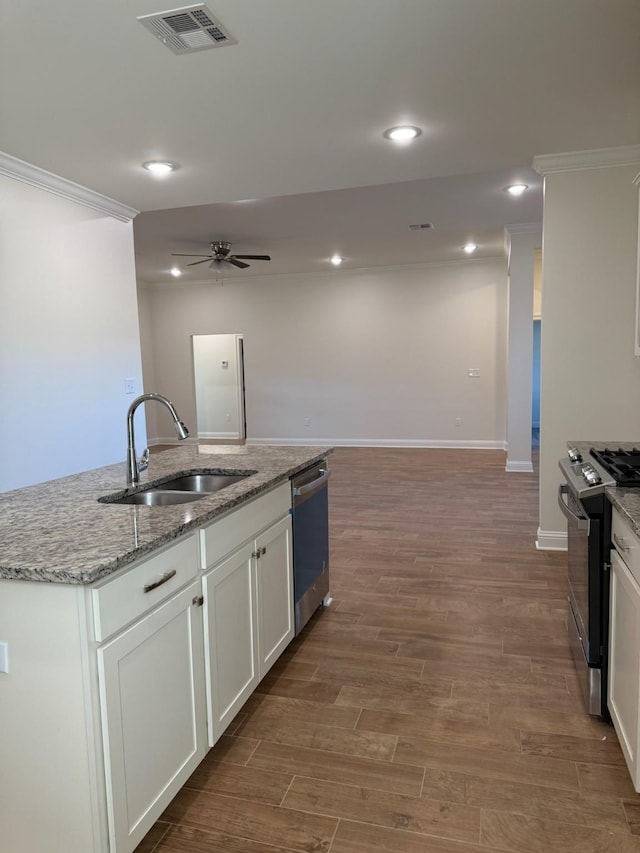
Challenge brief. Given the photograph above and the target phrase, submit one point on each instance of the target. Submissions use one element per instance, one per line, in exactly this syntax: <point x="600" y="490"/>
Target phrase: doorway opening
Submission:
<point x="535" y="386"/>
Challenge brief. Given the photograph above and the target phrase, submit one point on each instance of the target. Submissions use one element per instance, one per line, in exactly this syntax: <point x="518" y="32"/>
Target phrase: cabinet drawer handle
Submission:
<point x="619" y="543"/>
<point x="165" y="577"/>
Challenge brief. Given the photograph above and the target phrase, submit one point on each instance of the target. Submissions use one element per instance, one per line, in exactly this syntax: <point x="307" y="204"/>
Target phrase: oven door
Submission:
<point x="584" y="534"/>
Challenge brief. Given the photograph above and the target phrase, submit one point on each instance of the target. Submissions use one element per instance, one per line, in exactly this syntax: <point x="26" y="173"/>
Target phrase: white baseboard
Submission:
<point x="378" y="442"/>
<point x="152" y="442"/>
<point x="513" y="466"/>
<point x="551" y="540"/>
<point x="220" y="435"/>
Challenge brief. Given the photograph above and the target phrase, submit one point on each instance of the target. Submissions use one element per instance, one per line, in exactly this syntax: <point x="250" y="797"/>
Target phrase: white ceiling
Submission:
<point x="297" y="109"/>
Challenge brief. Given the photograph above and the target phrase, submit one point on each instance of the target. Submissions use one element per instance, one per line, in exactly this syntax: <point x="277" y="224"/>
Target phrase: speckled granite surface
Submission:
<point x="58" y="532"/>
<point x="625" y="500"/>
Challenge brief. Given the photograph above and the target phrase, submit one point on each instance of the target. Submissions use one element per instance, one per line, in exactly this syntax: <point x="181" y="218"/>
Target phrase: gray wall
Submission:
<point x="368" y="357"/>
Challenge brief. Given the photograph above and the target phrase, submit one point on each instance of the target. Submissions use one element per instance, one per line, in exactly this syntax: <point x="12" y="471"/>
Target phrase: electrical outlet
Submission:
<point x="129" y="386"/>
<point x="307" y="422"/>
<point x="458" y="421"/>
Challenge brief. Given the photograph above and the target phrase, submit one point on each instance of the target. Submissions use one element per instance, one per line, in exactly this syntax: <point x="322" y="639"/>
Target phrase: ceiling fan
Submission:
<point x="220" y="255"/>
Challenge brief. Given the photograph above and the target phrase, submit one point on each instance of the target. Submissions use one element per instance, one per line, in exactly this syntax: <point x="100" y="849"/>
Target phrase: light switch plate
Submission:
<point x="4" y="657"/>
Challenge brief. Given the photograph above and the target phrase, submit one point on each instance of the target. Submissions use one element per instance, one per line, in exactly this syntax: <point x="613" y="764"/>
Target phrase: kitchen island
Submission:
<point x="134" y="635"/>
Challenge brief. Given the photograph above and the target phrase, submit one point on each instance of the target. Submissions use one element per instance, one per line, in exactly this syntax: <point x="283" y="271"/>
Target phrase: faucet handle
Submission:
<point x="143" y="462"/>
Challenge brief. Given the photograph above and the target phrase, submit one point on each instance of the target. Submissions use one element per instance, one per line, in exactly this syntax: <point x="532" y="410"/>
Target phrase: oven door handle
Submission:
<point x="579" y="520"/>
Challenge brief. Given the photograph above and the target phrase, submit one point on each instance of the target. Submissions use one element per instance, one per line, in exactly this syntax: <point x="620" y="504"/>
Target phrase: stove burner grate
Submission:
<point x="622" y="465"/>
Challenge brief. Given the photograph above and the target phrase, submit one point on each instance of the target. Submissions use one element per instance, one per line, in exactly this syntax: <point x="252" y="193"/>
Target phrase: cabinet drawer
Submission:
<point x="223" y="536"/>
<point x="127" y="597"/>
<point x="626" y="544"/>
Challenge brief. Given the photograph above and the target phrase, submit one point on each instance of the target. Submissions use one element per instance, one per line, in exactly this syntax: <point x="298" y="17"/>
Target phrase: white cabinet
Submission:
<point x="126" y="679"/>
<point x="248" y="603"/>
<point x="151" y="681"/>
<point x="150" y="665"/>
<point x="274" y="579"/>
<point x="231" y="640"/>
<point x="624" y="644"/>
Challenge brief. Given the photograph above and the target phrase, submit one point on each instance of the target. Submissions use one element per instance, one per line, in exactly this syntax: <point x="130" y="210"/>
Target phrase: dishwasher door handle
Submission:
<point x="299" y="491"/>
<point x="582" y="523"/>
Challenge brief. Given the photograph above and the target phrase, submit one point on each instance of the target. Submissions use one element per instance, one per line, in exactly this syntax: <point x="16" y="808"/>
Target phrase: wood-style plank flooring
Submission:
<point x="434" y="706"/>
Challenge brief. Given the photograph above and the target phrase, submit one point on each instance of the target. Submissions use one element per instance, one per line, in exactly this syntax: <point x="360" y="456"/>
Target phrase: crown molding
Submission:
<point x="597" y="158"/>
<point x="12" y="167"/>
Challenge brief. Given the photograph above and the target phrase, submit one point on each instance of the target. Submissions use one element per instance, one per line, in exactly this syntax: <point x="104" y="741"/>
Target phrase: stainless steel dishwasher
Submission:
<point x="310" y="515"/>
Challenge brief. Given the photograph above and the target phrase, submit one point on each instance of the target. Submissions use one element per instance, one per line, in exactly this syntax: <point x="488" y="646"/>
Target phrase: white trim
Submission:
<point x="377" y="442"/>
<point x="152" y="442"/>
<point x="551" y="540"/>
<point x="37" y="177"/>
<point x="597" y="158"/>
<point x="514" y="467"/>
<point x="234" y="435"/>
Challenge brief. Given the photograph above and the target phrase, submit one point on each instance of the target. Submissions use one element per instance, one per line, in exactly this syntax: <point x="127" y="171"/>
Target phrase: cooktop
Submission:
<point x="623" y="465"/>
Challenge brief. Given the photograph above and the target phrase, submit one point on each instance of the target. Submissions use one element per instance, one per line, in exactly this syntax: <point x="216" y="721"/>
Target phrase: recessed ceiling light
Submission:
<point x="175" y="272"/>
<point x="159" y="167"/>
<point x="469" y="248"/>
<point x="517" y="189"/>
<point x="336" y="260"/>
<point x="403" y="133"/>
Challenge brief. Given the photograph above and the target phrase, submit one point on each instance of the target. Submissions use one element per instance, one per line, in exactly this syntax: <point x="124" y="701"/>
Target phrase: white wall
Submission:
<point x="370" y="356"/>
<point x="68" y="335"/>
<point x="590" y="386"/>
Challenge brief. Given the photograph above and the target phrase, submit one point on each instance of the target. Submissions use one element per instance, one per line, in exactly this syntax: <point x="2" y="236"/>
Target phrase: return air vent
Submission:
<point x="421" y="226"/>
<point x="188" y="29"/>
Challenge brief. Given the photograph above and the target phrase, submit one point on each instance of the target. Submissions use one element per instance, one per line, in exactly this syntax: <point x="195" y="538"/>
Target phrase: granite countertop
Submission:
<point x="625" y="499"/>
<point x="58" y="532"/>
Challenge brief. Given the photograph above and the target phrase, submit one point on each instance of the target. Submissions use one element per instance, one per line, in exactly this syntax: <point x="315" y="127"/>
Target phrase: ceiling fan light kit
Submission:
<point x="220" y="256"/>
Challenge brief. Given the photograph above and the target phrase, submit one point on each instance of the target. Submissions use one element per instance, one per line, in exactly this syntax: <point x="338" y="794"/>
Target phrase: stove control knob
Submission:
<point x="575" y="455"/>
<point x="591" y="475"/>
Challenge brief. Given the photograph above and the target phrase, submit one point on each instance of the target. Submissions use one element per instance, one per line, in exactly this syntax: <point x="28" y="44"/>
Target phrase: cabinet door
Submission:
<point x="231" y="643"/>
<point x="153" y="714"/>
<point x="624" y="662"/>
<point x="274" y="574"/>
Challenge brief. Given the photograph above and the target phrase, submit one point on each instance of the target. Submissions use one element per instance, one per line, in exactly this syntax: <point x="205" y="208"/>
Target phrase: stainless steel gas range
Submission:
<point x="588" y="471"/>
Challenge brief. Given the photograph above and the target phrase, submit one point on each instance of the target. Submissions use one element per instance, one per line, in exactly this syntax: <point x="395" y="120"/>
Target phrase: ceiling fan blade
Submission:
<point x="254" y="257"/>
<point x="200" y="262"/>
<point x="183" y="255"/>
<point x="236" y="263"/>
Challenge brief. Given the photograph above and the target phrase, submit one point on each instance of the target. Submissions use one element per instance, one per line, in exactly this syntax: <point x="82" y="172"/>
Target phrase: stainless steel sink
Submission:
<point x="180" y="490"/>
<point x="203" y="482"/>
<point x="160" y="497"/>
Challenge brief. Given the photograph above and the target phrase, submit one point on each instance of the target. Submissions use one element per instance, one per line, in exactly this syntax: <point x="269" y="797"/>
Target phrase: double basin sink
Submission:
<point x="180" y="490"/>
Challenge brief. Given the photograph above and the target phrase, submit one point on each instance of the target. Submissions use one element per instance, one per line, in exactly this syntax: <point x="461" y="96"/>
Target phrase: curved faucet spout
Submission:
<point x="134" y="466"/>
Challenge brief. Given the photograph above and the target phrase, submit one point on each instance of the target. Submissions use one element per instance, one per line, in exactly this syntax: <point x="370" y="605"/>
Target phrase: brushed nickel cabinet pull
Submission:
<point x="256" y="554"/>
<point x="165" y="577"/>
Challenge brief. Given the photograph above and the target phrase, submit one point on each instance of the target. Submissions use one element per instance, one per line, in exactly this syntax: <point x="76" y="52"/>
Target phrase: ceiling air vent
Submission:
<point x="188" y="29"/>
<point x="421" y="226"/>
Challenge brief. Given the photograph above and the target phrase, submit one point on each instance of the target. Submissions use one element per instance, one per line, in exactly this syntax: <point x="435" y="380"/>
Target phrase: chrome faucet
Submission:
<point x="135" y="465"/>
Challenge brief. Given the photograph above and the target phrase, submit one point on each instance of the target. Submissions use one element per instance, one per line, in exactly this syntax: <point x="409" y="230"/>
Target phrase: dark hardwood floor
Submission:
<point x="433" y="707"/>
